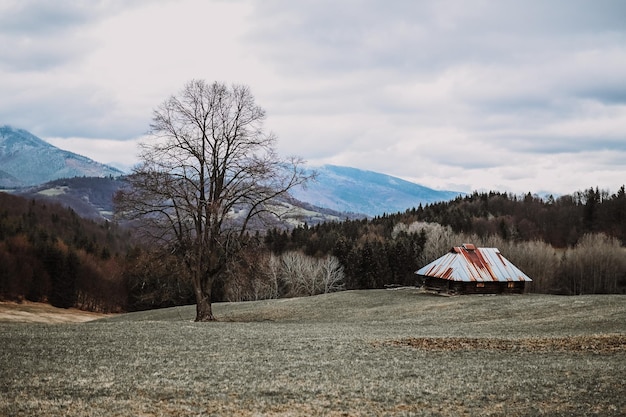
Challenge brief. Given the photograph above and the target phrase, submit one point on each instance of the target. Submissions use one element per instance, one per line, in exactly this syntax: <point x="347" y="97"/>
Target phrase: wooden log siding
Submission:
<point x="473" y="287"/>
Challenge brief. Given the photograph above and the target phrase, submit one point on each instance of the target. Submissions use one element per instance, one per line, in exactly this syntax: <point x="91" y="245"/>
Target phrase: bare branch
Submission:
<point x="208" y="170"/>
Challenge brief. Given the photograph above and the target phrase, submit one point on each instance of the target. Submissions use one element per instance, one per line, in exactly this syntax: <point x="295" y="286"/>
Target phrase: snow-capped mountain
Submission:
<point x="353" y="190"/>
<point x="28" y="160"/>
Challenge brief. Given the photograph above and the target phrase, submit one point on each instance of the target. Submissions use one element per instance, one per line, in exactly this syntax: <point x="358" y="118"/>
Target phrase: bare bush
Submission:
<point x="538" y="260"/>
<point x="293" y="274"/>
<point x="439" y="239"/>
<point x="100" y="285"/>
<point x="155" y="280"/>
<point x="255" y="277"/>
<point x="332" y="274"/>
<point x="597" y="264"/>
<point x="305" y="275"/>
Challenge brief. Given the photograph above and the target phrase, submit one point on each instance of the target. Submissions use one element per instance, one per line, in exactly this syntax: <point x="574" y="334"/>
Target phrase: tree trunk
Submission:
<point x="204" y="311"/>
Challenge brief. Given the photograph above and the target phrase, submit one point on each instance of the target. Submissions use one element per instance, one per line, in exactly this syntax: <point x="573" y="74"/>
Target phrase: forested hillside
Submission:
<point x="560" y="221"/>
<point x="50" y="254"/>
<point x="573" y="244"/>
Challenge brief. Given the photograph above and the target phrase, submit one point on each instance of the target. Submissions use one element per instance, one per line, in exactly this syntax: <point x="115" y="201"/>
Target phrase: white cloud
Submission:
<point x="514" y="95"/>
<point x="120" y="154"/>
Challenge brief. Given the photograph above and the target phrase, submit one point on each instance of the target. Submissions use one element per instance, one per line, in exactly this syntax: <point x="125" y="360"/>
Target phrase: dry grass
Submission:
<point x="597" y="344"/>
<point x="27" y="312"/>
<point x="344" y="354"/>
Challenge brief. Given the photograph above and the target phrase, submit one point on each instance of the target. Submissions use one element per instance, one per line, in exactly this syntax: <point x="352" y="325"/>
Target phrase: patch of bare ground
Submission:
<point x="28" y="312"/>
<point x="601" y="344"/>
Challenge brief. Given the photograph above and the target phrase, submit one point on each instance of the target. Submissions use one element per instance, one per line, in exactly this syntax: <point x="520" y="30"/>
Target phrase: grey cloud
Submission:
<point x="615" y="159"/>
<point x="41" y="54"/>
<point x="559" y="143"/>
<point x="606" y="94"/>
<point x="38" y="35"/>
<point x="34" y="18"/>
<point x="421" y="36"/>
<point x="391" y="86"/>
<point x="519" y="65"/>
<point x="63" y="111"/>
<point x="37" y="18"/>
<point x="40" y="44"/>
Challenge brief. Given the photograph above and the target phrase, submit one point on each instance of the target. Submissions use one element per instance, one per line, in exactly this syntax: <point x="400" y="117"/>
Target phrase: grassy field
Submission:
<point x="355" y="353"/>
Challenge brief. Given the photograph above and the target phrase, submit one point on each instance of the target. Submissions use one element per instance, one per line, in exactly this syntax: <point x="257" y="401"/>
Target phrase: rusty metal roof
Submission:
<point x="469" y="263"/>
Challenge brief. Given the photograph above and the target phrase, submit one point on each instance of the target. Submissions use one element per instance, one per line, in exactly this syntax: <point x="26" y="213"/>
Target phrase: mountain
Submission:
<point x="353" y="190"/>
<point x="89" y="197"/>
<point x="27" y="160"/>
<point x="44" y="171"/>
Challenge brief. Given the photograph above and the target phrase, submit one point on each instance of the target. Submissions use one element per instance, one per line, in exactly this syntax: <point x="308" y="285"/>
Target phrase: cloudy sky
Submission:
<point x="509" y="95"/>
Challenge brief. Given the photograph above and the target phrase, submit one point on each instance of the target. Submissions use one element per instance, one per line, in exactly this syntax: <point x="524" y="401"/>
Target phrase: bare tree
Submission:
<point x="595" y="265"/>
<point x="255" y="276"/>
<point x="535" y="258"/>
<point x="207" y="175"/>
<point x="307" y="276"/>
<point x="332" y="274"/>
<point x="298" y="272"/>
<point x="273" y="275"/>
<point x="439" y="239"/>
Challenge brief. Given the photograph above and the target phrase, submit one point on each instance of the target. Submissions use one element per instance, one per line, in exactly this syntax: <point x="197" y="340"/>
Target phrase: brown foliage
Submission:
<point x="49" y="254"/>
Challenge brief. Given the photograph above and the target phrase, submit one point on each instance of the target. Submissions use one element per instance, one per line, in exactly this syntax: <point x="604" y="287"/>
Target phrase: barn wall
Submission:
<point x="436" y="284"/>
<point x="517" y="288"/>
<point x="483" y="287"/>
<point x="473" y="287"/>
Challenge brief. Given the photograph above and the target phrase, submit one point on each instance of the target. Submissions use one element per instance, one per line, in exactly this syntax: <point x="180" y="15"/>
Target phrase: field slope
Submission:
<point x="377" y="352"/>
<point x="28" y="312"/>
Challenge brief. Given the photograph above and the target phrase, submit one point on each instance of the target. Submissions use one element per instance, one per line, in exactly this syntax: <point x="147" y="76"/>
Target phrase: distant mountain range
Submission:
<point x="27" y="160"/>
<point x="92" y="198"/>
<point x="40" y="170"/>
<point x="353" y="190"/>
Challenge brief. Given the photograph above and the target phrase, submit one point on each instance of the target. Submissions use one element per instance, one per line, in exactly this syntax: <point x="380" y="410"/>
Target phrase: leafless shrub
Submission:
<point x="537" y="259"/>
<point x="255" y="277"/>
<point x="439" y="239"/>
<point x="292" y="274"/>
<point x="305" y="275"/>
<point x="597" y="264"/>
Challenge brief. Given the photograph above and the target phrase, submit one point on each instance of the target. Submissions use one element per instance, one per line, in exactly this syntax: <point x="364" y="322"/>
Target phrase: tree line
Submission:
<point x="569" y="245"/>
<point x="50" y="254"/>
<point x="560" y="221"/>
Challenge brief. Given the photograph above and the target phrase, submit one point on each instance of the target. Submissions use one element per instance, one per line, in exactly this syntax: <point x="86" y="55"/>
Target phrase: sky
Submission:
<point x="463" y="95"/>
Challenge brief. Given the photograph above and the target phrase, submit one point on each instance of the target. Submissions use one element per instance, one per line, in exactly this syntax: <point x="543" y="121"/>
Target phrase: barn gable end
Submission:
<point x="467" y="269"/>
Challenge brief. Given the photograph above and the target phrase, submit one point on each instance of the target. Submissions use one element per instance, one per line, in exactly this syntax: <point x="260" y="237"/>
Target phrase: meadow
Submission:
<point x="353" y="353"/>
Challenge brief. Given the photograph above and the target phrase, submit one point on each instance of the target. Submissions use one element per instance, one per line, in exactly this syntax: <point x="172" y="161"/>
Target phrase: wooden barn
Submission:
<point x="467" y="269"/>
